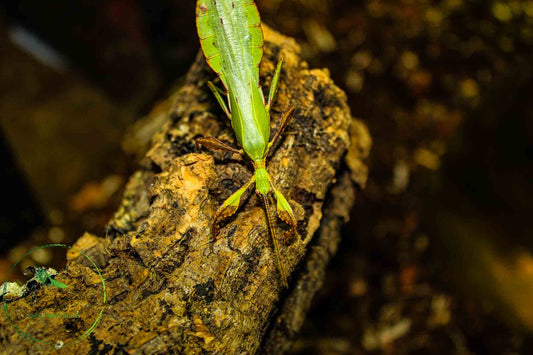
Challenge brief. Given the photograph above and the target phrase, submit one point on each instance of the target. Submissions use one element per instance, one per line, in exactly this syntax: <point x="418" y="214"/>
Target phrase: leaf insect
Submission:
<point x="47" y="280"/>
<point x="43" y="276"/>
<point x="232" y="42"/>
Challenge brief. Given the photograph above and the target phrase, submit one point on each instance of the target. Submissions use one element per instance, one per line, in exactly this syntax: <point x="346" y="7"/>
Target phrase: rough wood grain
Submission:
<point x="170" y="288"/>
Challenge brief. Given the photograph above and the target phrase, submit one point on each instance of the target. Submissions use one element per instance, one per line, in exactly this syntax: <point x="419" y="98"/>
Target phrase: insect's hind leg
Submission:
<point x="274" y="85"/>
<point x="218" y="95"/>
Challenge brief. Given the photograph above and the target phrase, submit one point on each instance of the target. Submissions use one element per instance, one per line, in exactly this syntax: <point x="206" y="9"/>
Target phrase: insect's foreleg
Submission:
<point x="230" y="206"/>
<point x="285" y="120"/>
<point x="216" y="144"/>
<point x="274" y="85"/>
<point x="218" y="95"/>
<point x="285" y="213"/>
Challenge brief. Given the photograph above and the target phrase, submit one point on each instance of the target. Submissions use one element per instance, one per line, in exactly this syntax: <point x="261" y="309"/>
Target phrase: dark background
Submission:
<point x="437" y="257"/>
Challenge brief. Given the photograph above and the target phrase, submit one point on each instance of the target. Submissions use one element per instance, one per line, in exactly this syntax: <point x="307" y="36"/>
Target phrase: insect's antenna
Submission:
<point x="272" y="228"/>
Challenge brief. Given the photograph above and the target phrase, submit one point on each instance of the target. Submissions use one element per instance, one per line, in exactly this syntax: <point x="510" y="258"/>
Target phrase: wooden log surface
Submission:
<point x="172" y="289"/>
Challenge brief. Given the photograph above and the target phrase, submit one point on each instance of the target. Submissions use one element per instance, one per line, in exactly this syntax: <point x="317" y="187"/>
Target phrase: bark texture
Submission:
<point x="170" y="288"/>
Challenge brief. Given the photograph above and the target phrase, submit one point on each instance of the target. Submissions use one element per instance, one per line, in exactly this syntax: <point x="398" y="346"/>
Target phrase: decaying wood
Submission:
<point x="170" y="288"/>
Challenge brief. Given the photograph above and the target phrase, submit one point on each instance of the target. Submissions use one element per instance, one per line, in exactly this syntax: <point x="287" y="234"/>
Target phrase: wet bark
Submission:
<point x="171" y="288"/>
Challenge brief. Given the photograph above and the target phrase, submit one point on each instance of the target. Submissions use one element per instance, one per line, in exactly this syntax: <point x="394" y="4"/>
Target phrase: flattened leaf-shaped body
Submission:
<point x="231" y="37"/>
<point x="232" y="42"/>
<point x="251" y="123"/>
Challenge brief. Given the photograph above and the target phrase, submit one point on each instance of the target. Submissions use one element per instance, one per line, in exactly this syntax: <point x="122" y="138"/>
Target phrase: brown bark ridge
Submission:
<point x="170" y="288"/>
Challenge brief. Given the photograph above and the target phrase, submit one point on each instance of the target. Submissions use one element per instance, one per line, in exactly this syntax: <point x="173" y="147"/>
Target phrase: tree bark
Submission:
<point x="170" y="287"/>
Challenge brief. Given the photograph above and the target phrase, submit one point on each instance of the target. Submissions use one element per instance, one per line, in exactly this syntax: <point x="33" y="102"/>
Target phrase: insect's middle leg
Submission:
<point x="216" y="144"/>
<point x="285" y="120"/>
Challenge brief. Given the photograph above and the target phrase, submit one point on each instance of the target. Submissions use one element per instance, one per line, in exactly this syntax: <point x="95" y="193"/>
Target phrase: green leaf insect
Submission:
<point x="232" y="42"/>
<point x="42" y="275"/>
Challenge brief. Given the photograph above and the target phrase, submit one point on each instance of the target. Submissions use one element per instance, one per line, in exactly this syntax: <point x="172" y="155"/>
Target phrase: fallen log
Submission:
<point x="171" y="288"/>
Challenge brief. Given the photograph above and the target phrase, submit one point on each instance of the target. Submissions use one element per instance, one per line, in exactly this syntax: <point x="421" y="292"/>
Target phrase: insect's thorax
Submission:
<point x="262" y="180"/>
<point x="250" y="121"/>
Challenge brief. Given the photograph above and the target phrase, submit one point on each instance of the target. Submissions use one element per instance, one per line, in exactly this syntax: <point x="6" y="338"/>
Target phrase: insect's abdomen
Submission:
<point x="231" y="38"/>
<point x="232" y="42"/>
<point x="251" y="123"/>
